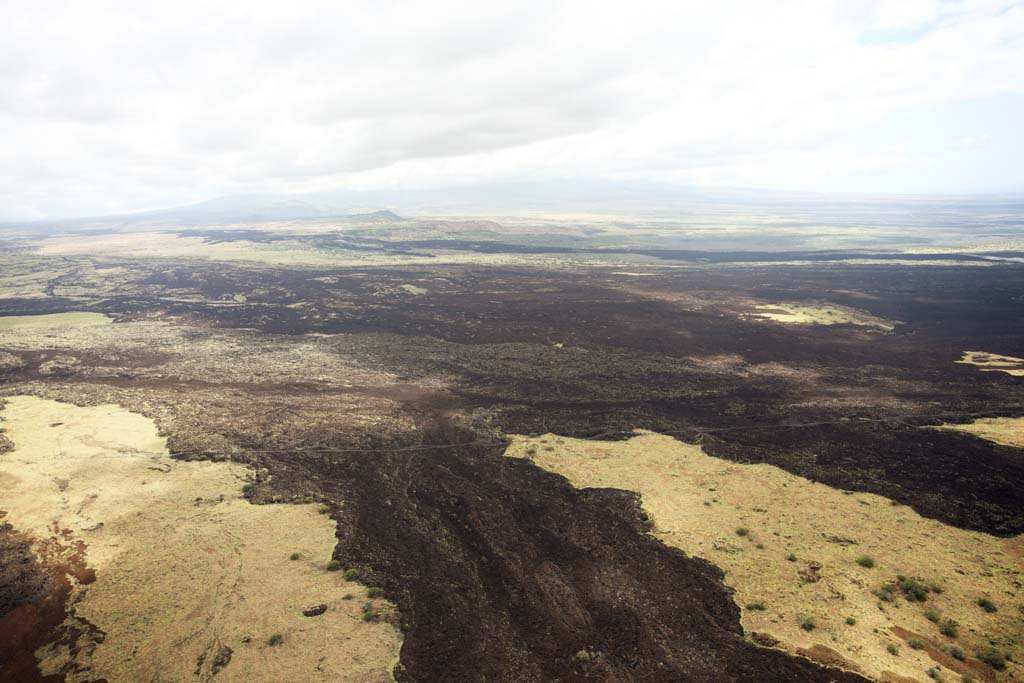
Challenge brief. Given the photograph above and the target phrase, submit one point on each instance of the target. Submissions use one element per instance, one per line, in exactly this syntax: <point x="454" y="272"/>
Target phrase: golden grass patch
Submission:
<point x="1008" y="431"/>
<point x="818" y="314"/>
<point x="790" y="549"/>
<point x="185" y="567"/>
<point x="53" y="320"/>
<point x="993" y="362"/>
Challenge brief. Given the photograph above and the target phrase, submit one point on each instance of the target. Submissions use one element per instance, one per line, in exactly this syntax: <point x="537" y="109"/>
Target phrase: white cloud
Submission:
<point x="108" y="106"/>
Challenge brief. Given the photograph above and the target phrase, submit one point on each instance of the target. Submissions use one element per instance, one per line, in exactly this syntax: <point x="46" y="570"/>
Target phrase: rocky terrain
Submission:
<point x="388" y="391"/>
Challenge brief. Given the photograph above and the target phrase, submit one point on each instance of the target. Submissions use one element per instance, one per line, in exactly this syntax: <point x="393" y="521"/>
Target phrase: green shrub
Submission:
<point x="992" y="657"/>
<point x="275" y="640"/>
<point x="370" y="616"/>
<point x="324" y="508"/>
<point x="756" y="606"/>
<point x="851" y="621"/>
<point x="885" y="593"/>
<point x="949" y="628"/>
<point x="866" y="561"/>
<point x="956" y="653"/>
<point x="374" y="592"/>
<point x="333" y="566"/>
<point x="893" y="649"/>
<point x="791" y="557"/>
<point x="915" y="644"/>
<point x="987" y="605"/>
<point x="247" y="489"/>
<point x="742" y="531"/>
<point x="347" y="596"/>
<point x="931" y="615"/>
<point x="934" y="672"/>
<point x="808" y="624"/>
<point x="294" y="556"/>
<point x="351" y="574"/>
<point x="913" y="590"/>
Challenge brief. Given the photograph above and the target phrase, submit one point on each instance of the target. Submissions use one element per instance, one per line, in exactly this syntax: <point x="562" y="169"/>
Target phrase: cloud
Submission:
<point x="117" y="105"/>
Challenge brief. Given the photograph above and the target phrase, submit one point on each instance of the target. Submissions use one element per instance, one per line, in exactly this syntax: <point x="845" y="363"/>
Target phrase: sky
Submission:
<point x="110" y="106"/>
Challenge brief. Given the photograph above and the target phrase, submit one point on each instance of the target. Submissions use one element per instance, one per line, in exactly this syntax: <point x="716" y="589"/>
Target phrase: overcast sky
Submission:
<point x="114" y="106"/>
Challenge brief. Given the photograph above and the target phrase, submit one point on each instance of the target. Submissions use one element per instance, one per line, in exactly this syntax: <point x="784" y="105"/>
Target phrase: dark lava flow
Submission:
<point x="504" y="572"/>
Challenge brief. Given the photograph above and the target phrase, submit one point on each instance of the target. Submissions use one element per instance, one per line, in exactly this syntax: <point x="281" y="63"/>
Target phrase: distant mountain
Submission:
<point x="576" y="195"/>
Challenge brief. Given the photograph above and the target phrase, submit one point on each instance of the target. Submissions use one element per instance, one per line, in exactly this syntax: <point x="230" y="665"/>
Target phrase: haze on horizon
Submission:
<point x="115" y="106"/>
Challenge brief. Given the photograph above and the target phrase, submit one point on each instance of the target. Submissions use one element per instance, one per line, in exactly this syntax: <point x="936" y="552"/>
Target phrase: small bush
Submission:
<point x="934" y="673"/>
<point x="913" y="590"/>
<point x="374" y="592"/>
<point x="992" y="657"/>
<point x="323" y="509"/>
<point x="742" y="531"/>
<point x="791" y="557"/>
<point x="893" y="649"/>
<point x="275" y="640"/>
<point x="987" y="605"/>
<point x="931" y="615"/>
<point x="865" y="561"/>
<point x="808" y="624"/>
<point x="247" y="489"/>
<point x="756" y="606"/>
<point x="351" y="574"/>
<point x="294" y="556"/>
<point x="915" y="644"/>
<point x="759" y="546"/>
<point x="885" y="593"/>
<point x="370" y="616"/>
<point x="347" y="596"/>
<point x="949" y="628"/>
<point x="851" y="621"/>
<point x="333" y="566"/>
<point x="956" y="653"/>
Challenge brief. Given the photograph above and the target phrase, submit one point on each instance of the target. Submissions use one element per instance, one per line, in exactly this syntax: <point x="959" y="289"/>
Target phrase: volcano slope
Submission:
<point x="386" y="394"/>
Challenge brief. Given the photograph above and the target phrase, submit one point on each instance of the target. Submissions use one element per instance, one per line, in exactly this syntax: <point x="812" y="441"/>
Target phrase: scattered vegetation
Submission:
<point x="351" y="574"/>
<point x="275" y="640"/>
<point x="932" y="615"/>
<point x="993" y="657"/>
<point x="324" y="508"/>
<point x="333" y="566"/>
<point x="949" y="628"/>
<point x="915" y="644"/>
<point x="756" y="606"/>
<point x="913" y="589"/>
<point x="374" y="592"/>
<point x="369" y="614"/>
<point x="987" y="605"/>
<point x="956" y="653"/>
<point x="886" y="592"/>
<point x="866" y="561"/>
